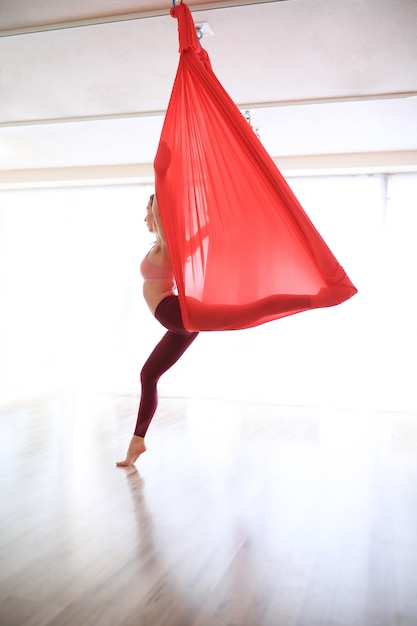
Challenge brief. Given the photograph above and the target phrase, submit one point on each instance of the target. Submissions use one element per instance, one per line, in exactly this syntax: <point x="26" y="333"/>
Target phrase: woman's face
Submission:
<point x="149" y="219"/>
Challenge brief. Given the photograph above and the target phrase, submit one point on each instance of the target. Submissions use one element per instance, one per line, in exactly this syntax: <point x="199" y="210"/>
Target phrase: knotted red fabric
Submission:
<point x="243" y="250"/>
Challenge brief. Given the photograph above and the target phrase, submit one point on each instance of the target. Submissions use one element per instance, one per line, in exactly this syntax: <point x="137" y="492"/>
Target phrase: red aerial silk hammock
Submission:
<point x="243" y="250"/>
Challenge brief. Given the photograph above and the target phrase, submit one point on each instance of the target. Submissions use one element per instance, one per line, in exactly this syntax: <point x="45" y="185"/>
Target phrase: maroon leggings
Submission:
<point x="172" y="345"/>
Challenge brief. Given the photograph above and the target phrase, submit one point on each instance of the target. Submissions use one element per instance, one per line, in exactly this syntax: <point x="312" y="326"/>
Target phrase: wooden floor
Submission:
<point x="238" y="515"/>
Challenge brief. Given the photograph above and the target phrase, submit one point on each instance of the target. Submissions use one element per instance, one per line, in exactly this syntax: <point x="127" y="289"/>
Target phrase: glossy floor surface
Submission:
<point x="237" y="515"/>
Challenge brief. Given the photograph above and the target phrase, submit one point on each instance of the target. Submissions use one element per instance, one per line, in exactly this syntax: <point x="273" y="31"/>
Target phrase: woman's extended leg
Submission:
<point x="233" y="316"/>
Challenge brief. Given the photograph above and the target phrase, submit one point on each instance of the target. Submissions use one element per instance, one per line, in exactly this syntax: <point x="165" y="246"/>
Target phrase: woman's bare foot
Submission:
<point x="136" y="448"/>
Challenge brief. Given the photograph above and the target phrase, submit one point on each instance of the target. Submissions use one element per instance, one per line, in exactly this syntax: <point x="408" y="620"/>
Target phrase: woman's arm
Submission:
<point x="158" y="222"/>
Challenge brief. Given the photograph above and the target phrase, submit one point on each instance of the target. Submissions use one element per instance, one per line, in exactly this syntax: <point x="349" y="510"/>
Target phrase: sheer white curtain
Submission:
<point x="72" y="316"/>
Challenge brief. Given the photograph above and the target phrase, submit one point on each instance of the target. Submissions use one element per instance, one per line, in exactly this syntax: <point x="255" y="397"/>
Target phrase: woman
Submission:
<point x="158" y="291"/>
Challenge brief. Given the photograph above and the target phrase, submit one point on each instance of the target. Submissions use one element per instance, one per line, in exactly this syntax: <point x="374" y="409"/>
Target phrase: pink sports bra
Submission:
<point x="156" y="273"/>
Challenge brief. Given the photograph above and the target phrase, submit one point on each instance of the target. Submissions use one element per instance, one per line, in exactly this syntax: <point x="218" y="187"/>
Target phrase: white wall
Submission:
<point x="72" y="316"/>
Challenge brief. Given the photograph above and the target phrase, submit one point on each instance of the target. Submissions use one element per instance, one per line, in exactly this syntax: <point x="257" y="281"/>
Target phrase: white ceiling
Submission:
<point x="328" y="82"/>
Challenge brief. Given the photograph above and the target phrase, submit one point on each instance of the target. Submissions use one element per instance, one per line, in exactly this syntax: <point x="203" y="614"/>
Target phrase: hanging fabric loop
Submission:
<point x="187" y="33"/>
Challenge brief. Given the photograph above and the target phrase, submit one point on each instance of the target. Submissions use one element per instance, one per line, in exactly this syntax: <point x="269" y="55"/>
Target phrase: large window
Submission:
<point x="72" y="316"/>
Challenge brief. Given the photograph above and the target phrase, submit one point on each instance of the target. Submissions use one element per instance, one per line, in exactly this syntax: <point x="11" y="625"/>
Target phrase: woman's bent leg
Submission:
<point x="165" y="354"/>
<point x="171" y="347"/>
